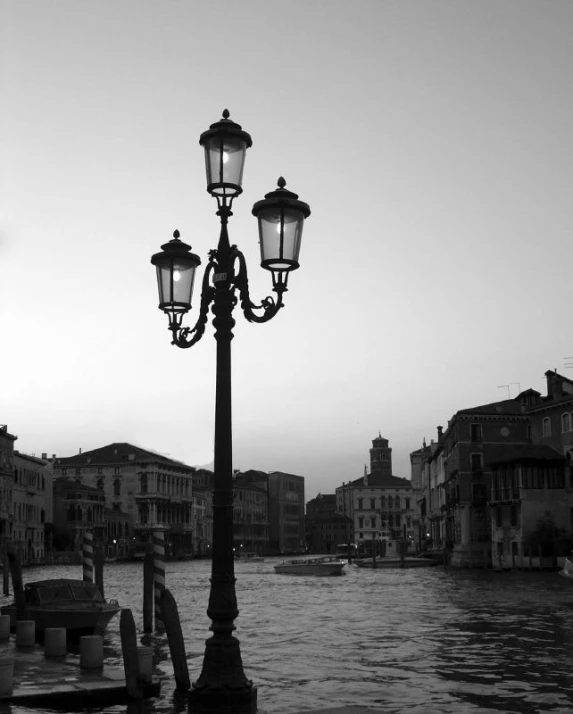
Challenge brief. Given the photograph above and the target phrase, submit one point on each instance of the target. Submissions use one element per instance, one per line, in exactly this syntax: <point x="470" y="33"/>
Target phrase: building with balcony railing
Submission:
<point x="148" y="490"/>
<point x="530" y="483"/>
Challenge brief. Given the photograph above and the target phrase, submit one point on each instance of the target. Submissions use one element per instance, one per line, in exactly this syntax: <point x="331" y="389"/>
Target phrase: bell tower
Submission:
<point x="381" y="456"/>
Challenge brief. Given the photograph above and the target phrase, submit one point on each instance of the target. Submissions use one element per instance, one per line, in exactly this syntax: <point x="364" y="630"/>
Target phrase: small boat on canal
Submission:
<point x="321" y="565"/>
<point x="393" y="562"/>
<point x="567" y="571"/>
<point x="249" y="558"/>
<point x="76" y="605"/>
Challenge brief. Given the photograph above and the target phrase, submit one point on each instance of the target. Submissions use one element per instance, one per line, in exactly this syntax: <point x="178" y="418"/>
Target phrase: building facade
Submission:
<point x="495" y="472"/>
<point x="250" y="515"/>
<point x="286" y="513"/>
<point x="381" y="506"/>
<point x="149" y="490"/>
<point x="6" y="484"/>
<point x="32" y="507"/>
<point x="327" y="531"/>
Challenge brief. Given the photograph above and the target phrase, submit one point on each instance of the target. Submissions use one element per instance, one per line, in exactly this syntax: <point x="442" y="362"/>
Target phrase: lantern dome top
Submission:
<point x="227" y="126"/>
<point x="282" y="196"/>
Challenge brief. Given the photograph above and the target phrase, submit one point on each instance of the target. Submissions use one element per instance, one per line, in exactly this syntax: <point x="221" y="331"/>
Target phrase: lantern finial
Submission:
<point x="176" y="234"/>
<point x="281" y="183"/>
<point x="226" y="114"/>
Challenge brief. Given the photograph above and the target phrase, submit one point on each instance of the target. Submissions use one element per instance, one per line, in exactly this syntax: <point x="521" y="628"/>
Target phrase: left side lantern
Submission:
<point x="176" y="267"/>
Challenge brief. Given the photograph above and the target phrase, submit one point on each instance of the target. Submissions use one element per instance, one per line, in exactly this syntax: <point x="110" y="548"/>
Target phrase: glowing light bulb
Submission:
<point x="176" y="276"/>
<point x="225" y="157"/>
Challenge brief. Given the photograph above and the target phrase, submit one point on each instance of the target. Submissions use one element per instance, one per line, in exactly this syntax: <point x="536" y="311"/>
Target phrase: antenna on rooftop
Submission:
<point x="518" y="386"/>
<point x="570" y="365"/>
<point x="504" y="386"/>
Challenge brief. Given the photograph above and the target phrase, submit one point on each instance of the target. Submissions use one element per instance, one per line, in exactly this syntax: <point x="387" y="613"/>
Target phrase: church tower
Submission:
<point x="381" y="456"/>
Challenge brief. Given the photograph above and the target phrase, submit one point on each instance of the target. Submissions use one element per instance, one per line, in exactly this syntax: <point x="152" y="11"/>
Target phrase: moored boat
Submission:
<point x="76" y="605"/>
<point x="567" y="568"/>
<point x="249" y="558"/>
<point x="321" y="565"/>
<point x="393" y="562"/>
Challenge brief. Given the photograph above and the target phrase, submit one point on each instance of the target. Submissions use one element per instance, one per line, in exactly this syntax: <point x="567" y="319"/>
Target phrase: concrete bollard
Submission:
<point x="91" y="652"/>
<point x="6" y="676"/>
<point x="4" y="627"/>
<point x="145" y="659"/>
<point x="55" y="644"/>
<point x="25" y="633"/>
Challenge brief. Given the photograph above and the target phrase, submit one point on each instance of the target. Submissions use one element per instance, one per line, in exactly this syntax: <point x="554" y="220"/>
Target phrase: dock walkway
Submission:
<point x="60" y="682"/>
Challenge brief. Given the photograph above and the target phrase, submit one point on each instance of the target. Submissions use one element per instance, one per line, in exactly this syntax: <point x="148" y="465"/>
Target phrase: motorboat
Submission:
<point x="249" y="558"/>
<point x="77" y="605"/>
<point x="567" y="568"/>
<point x="321" y="565"/>
<point x="395" y="562"/>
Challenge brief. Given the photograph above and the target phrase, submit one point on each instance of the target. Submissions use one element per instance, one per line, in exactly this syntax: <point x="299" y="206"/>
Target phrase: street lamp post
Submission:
<point x="222" y="685"/>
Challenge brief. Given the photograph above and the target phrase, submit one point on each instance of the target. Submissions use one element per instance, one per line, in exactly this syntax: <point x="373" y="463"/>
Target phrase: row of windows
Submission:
<point x="390" y="503"/>
<point x="566" y="424"/>
<point x="392" y="521"/>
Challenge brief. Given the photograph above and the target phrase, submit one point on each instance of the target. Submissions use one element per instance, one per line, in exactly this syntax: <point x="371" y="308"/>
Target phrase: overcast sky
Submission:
<point x="433" y="142"/>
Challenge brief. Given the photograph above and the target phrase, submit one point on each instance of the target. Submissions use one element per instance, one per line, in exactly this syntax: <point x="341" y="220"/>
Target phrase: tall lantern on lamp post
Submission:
<point x="222" y="686"/>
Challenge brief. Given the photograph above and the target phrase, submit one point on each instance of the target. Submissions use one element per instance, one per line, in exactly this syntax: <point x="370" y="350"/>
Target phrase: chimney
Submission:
<point x="54" y="457"/>
<point x="440" y="430"/>
<point x="44" y="457"/>
<point x="80" y="449"/>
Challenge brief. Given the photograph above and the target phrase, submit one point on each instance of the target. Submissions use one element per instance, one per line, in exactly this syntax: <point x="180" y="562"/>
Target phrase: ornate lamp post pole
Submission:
<point x="222" y="685"/>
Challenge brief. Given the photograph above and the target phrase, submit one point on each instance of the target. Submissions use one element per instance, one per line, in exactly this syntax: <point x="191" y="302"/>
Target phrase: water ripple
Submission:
<point x="400" y="641"/>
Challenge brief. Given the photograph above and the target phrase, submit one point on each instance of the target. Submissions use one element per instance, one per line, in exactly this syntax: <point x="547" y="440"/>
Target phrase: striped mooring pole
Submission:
<point x="158" y="575"/>
<point x="88" y="557"/>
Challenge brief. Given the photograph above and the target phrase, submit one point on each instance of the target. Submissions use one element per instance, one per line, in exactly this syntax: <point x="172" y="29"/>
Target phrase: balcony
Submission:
<point x="499" y="495"/>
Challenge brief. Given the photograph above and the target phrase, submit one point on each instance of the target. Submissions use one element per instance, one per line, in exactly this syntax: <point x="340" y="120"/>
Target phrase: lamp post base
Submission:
<point x="222" y="701"/>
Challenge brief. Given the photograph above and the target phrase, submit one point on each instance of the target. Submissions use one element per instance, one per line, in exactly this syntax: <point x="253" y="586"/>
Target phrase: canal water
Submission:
<point x="415" y="641"/>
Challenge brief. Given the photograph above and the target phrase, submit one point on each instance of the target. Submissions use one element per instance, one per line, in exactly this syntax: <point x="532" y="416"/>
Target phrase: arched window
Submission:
<point x="100" y="484"/>
<point x="383" y="502"/>
<point x="116" y="487"/>
<point x="546" y="426"/>
<point x="566" y="422"/>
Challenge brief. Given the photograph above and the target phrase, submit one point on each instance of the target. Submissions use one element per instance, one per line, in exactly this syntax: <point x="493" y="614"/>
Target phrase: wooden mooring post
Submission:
<point x="88" y="557"/>
<point x="158" y="574"/>
<point x="17" y="583"/>
<point x="175" y="639"/>
<point x="130" y="654"/>
<point x="98" y="568"/>
<point x="148" y="590"/>
<point x="6" y="570"/>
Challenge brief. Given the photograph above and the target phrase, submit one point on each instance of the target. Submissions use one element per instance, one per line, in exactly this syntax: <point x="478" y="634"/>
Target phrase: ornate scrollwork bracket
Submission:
<point x="181" y="335"/>
<point x="268" y="305"/>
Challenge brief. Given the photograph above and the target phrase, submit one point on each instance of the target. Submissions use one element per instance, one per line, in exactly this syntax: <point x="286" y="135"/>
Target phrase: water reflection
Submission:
<point x="416" y="641"/>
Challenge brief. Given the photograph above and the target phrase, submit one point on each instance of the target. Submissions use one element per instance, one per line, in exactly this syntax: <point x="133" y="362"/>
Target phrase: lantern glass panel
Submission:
<point x="280" y="232"/>
<point x="175" y="278"/>
<point x="224" y="163"/>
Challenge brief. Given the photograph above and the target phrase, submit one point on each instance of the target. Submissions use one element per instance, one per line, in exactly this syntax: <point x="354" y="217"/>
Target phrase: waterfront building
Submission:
<point x="202" y="512"/>
<point x="32" y="507"/>
<point x="150" y="491"/>
<point x="78" y="509"/>
<point x="529" y="483"/>
<point x="381" y="506"/>
<point x="286" y="512"/>
<point x="487" y="481"/>
<point x="6" y="484"/>
<point x="250" y="514"/>
<point x="326" y="529"/>
<point x="460" y="477"/>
